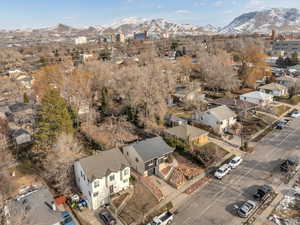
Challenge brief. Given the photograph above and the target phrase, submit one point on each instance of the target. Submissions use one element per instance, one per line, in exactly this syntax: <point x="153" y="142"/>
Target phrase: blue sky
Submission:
<point x="42" y="13"/>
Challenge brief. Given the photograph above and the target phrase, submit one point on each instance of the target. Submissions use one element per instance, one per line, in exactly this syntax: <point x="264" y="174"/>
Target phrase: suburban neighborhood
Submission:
<point x="132" y="124"/>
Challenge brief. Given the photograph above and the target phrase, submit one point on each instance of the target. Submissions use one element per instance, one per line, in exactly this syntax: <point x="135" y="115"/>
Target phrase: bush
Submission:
<point x="177" y="144"/>
<point x="132" y="180"/>
<point x="295" y="100"/>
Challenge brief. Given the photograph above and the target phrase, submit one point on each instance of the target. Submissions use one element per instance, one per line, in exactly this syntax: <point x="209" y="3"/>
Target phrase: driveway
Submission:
<point x="213" y="204"/>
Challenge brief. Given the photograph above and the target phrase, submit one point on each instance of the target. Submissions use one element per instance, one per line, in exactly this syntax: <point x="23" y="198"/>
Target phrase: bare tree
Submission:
<point x="9" y="59"/>
<point x="218" y="72"/>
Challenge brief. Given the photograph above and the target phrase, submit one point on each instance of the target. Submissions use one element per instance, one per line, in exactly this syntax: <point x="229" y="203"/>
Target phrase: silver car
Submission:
<point x="246" y="209"/>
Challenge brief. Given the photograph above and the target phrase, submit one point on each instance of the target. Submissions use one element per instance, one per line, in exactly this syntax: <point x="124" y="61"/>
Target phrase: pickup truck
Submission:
<point x="262" y="193"/>
<point x="163" y="219"/>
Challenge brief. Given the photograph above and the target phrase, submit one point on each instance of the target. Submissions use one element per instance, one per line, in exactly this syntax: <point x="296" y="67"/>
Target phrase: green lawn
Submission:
<point x="280" y="110"/>
<point x="295" y="100"/>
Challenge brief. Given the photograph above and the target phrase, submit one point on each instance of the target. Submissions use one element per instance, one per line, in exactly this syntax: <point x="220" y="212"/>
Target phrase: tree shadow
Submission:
<point x="248" y="192"/>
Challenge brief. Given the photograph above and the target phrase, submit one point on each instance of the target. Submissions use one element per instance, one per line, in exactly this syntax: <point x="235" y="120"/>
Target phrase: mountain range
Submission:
<point x="284" y="20"/>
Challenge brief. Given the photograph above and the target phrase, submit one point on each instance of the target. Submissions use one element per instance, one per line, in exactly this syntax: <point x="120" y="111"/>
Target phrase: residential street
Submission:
<point x="213" y="204"/>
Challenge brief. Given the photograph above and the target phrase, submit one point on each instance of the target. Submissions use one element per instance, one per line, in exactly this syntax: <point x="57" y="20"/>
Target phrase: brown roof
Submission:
<point x="231" y="102"/>
<point x="186" y="131"/>
<point x="102" y="164"/>
<point x="272" y="86"/>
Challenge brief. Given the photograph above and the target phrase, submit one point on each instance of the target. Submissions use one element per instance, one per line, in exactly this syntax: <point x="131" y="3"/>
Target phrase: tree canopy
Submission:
<point x="53" y="118"/>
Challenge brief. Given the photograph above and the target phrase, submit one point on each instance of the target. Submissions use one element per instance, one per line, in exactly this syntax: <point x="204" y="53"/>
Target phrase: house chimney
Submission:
<point x="53" y="206"/>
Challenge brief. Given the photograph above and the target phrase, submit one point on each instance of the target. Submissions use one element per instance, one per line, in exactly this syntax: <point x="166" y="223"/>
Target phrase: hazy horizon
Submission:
<point x="18" y="14"/>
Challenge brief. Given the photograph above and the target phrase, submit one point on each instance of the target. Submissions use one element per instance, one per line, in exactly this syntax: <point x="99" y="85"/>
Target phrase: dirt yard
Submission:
<point x="187" y="167"/>
<point x="140" y="203"/>
<point x="217" y="151"/>
<point x="119" y="200"/>
<point x="280" y="110"/>
<point x="252" y="124"/>
<point x="19" y="178"/>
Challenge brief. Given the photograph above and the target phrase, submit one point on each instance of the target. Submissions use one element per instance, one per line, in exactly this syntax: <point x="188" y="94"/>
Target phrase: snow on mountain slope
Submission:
<point x="284" y="20"/>
<point x="133" y="24"/>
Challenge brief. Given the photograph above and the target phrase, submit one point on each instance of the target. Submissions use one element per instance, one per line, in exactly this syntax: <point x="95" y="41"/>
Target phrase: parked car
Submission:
<point x="263" y="193"/>
<point x="288" y="164"/>
<point x="246" y="208"/>
<point x="67" y="218"/>
<point x="295" y="114"/>
<point x="107" y="218"/>
<point x="237" y="160"/>
<point x="163" y="219"/>
<point x="281" y="124"/>
<point x="222" y="171"/>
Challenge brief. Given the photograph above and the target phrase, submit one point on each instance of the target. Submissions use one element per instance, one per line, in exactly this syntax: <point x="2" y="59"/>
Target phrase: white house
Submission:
<point x="101" y="176"/>
<point x="274" y="89"/>
<point x="257" y="97"/>
<point x="220" y="118"/>
<point x="80" y="40"/>
<point x="287" y="81"/>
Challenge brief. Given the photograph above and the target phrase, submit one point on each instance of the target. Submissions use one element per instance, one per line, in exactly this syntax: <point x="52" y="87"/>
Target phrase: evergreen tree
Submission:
<point x="53" y="118"/>
<point x="280" y="62"/>
<point x="174" y="45"/>
<point x="25" y="98"/>
<point x="288" y="62"/>
<point x="295" y="59"/>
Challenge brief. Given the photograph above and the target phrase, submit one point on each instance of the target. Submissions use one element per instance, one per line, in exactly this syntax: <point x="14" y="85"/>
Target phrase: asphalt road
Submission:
<point x="213" y="204"/>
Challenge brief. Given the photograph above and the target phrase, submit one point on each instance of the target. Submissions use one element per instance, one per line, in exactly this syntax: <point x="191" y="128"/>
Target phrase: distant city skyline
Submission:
<point x="22" y="14"/>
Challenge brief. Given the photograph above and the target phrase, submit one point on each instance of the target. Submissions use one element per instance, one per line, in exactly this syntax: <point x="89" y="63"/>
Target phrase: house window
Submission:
<point x="125" y="181"/>
<point x="127" y="153"/>
<point x="96" y="183"/>
<point x="111" y="177"/>
<point x="89" y="193"/>
<point x="95" y="194"/>
<point x="137" y="160"/>
<point x="126" y="172"/>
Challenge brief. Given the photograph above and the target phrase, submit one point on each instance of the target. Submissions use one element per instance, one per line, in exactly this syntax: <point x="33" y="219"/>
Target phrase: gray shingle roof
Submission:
<point x="151" y="148"/>
<point x="18" y="107"/>
<point x="21" y="136"/>
<point x="186" y="131"/>
<point x="272" y="86"/>
<point x="222" y="112"/>
<point x="105" y="162"/>
<point x="257" y="95"/>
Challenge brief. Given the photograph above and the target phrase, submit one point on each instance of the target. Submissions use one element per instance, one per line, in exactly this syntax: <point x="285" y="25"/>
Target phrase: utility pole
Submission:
<point x="243" y="114"/>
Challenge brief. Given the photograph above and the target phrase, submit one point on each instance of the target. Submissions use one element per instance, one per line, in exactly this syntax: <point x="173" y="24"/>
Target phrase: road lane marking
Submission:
<point x="235" y="181"/>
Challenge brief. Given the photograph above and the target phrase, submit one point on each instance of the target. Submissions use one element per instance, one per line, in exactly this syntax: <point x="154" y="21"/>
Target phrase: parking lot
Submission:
<point x="214" y="203"/>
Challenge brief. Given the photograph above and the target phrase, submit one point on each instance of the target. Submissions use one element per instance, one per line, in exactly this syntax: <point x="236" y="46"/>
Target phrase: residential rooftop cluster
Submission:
<point x="129" y="132"/>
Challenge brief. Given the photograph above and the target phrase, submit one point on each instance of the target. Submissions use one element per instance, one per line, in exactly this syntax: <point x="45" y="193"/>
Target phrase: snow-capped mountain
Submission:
<point x="134" y="21"/>
<point x="134" y="24"/>
<point x="284" y="20"/>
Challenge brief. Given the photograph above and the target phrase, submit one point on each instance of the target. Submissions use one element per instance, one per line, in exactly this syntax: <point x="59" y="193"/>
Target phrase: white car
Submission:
<point x="237" y="160"/>
<point x="222" y="171"/>
<point x="295" y="114"/>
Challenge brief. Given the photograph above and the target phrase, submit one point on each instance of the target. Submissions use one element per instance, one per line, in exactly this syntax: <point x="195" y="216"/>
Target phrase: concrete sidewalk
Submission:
<point x="277" y="118"/>
<point x="179" y="196"/>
